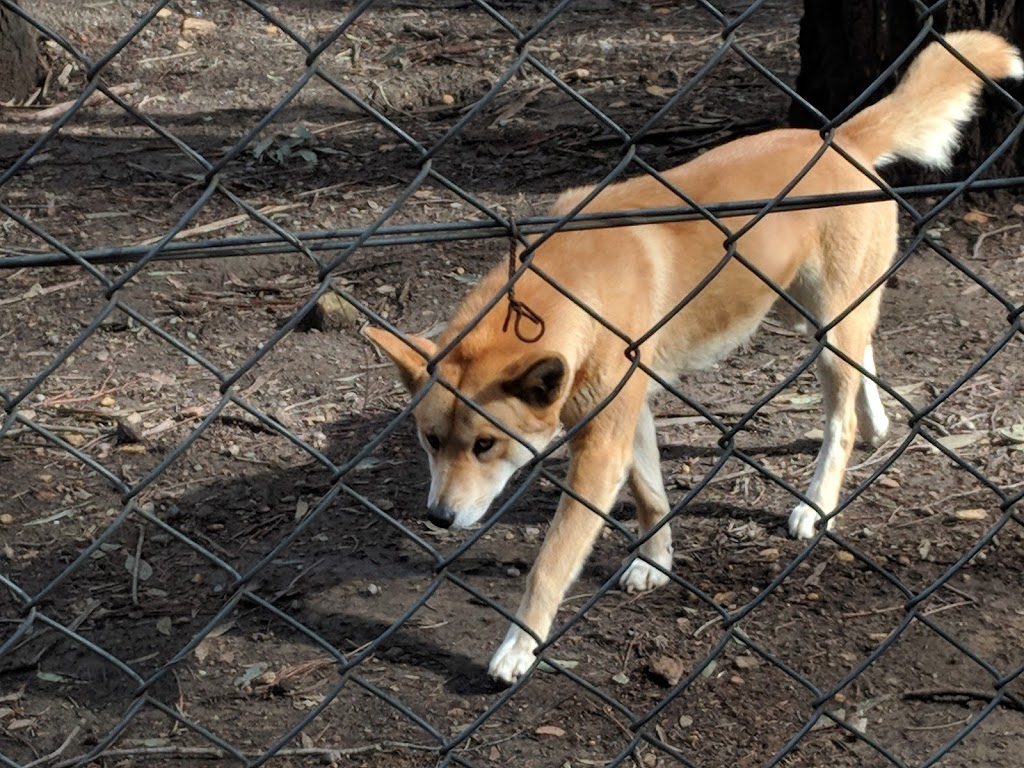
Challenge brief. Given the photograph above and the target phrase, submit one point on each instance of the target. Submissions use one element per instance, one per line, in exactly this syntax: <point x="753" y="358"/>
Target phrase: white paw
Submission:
<point x="642" y="576"/>
<point x="514" y="657"/>
<point x="874" y="430"/>
<point x="803" y="521"/>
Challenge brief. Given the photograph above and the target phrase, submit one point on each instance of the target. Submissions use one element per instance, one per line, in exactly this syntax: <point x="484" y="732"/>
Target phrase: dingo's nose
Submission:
<point x="441" y="515"/>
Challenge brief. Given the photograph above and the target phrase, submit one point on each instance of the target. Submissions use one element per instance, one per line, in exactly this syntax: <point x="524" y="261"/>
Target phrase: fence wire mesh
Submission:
<point x="213" y="542"/>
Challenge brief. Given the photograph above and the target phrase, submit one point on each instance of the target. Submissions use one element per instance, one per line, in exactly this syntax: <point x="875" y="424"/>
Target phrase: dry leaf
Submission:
<point x="1014" y="434"/>
<point x="955" y="442"/>
<point x="145" y="570"/>
<point x="824" y="721"/>
<point x="924" y="548"/>
<point x="202" y="650"/>
<point x="657" y="90"/>
<point x="976" y="217"/>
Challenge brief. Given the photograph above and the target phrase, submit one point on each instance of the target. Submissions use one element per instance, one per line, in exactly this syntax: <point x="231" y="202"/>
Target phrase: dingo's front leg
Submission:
<point x="651" y="507"/>
<point x="597" y="472"/>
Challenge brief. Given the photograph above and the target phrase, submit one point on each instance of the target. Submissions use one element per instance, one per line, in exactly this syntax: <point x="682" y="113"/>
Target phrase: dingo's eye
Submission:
<point x="433" y="441"/>
<point x="483" y="445"/>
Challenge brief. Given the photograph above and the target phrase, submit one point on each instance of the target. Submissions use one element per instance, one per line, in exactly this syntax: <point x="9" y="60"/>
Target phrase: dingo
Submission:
<point x="632" y="277"/>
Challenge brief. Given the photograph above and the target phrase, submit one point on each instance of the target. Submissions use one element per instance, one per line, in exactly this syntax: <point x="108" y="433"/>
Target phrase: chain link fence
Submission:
<point x="203" y="563"/>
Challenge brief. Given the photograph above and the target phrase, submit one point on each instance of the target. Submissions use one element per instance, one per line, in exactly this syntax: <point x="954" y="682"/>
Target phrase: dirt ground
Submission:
<point x="167" y="568"/>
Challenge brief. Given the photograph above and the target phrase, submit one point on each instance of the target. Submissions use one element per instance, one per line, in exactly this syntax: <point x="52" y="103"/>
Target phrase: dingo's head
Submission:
<point x="471" y="457"/>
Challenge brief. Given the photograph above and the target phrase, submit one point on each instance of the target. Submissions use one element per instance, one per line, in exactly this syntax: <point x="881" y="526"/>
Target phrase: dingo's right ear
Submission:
<point x="411" y="363"/>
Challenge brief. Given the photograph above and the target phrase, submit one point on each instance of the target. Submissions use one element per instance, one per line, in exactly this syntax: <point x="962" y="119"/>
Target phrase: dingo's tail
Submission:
<point x="921" y="119"/>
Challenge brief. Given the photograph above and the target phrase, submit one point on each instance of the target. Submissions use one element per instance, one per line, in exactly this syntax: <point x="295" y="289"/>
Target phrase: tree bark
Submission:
<point x="19" y="57"/>
<point x="846" y="44"/>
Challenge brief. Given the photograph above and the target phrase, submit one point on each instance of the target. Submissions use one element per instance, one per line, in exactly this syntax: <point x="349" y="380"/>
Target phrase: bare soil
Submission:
<point x="158" y="572"/>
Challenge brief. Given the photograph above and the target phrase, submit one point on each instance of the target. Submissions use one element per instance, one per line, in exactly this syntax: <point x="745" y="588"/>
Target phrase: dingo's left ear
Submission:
<point x="540" y="384"/>
<point x="410" y="361"/>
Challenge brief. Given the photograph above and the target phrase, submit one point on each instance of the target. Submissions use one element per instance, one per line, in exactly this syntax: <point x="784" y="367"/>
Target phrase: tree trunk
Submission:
<point x="846" y="44"/>
<point x="19" y="57"/>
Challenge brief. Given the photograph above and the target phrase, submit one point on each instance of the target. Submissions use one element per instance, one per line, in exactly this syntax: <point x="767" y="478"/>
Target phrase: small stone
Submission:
<point x="685" y="721"/>
<point x="372" y="589"/>
<point x="813" y="597"/>
<point x="6" y="518"/>
<point x="332" y="313"/>
<point x="103" y="355"/>
<point x="746" y="662"/>
<point x="107" y="402"/>
<point x="844" y="557"/>
<point x="513" y="571"/>
<point x="621" y="679"/>
<point x="447" y="99"/>
<point x="164" y="13"/>
<point x="666" y="670"/>
<point x="736" y="680"/>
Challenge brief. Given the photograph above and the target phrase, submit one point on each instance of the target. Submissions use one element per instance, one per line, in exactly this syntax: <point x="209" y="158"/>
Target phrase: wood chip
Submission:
<point x="971" y="515"/>
<point x="197" y="27"/>
<point x="549" y="730"/>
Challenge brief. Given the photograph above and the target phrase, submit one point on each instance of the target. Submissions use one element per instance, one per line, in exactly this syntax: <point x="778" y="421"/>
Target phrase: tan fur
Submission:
<point x="632" y="277"/>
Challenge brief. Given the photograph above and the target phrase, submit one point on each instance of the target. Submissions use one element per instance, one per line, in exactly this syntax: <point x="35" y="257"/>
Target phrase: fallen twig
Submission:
<point x="976" y="252"/>
<point x="57" y="110"/>
<point x="57" y="752"/>
<point x="1009" y="700"/>
<point x="230" y="221"/>
<point x="213" y="753"/>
